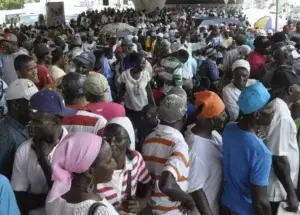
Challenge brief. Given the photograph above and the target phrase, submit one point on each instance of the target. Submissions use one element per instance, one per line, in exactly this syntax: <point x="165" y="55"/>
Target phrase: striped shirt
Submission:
<point x="166" y="150"/>
<point x="172" y="74"/>
<point x="84" y="121"/>
<point x="115" y="190"/>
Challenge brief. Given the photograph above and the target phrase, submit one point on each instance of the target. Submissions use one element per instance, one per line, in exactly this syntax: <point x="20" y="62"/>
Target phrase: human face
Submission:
<point x="105" y="165"/>
<point x="140" y="65"/>
<point x="82" y="68"/>
<point x="218" y="121"/>
<point x="240" y="78"/>
<point x="150" y="117"/>
<point x="118" y="139"/>
<point x="21" y="107"/>
<point x="265" y="116"/>
<point x="45" y="126"/>
<point x="127" y="49"/>
<point x="48" y="58"/>
<point x="295" y="92"/>
<point x="7" y="46"/>
<point x="29" y="71"/>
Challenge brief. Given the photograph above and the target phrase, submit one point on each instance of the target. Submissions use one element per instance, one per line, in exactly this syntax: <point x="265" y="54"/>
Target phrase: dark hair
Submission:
<point x="134" y="57"/>
<point x="258" y="42"/>
<point x="240" y="39"/>
<point x="21" y="60"/>
<point x="278" y="37"/>
<point x="57" y="54"/>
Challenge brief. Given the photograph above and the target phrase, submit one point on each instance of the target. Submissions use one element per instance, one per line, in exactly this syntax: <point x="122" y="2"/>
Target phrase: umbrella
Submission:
<point x="264" y="23"/>
<point x="119" y="29"/>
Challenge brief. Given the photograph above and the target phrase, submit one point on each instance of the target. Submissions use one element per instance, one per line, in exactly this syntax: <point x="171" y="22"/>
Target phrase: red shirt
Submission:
<point x="157" y="94"/>
<point x="44" y="76"/>
<point x="108" y="110"/>
<point x="257" y="61"/>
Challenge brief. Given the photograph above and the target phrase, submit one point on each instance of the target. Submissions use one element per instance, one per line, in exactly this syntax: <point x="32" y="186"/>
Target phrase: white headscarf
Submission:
<point x="127" y="125"/>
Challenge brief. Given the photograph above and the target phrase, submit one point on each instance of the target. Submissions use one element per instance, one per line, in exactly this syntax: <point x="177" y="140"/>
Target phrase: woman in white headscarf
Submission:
<point x="130" y="182"/>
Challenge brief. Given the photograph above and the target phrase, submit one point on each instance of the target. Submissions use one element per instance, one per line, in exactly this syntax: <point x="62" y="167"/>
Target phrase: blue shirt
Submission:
<point x="12" y="135"/>
<point x="213" y="70"/>
<point x="246" y="161"/>
<point x="106" y="69"/>
<point x="8" y="203"/>
<point x="126" y="64"/>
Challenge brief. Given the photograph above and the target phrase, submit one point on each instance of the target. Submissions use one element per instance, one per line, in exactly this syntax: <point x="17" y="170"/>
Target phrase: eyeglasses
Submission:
<point x="115" y="139"/>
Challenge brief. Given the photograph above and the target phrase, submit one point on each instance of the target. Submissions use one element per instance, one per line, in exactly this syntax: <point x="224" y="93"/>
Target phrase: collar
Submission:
<point x="65" y="133"/>
<point x="77" y="107"/>
<point x="168" y="130"/>
<point x="17" y="126"/>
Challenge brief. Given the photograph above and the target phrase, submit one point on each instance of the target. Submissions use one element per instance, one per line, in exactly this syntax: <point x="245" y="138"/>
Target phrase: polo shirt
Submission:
<point x="108" y="110"/>
<point x="28" y="175"/>
<point x="84" y="121"/>
<point x="246" y="161"/>
<point x="44" y="76"/>
<point x="206" y="172"/>
<point x="115" y="190"/>
<point x="12" y="135"/>
<point x="8" y="200"/>
<point x="166" y="150"/>
<point x="282" y="141"/>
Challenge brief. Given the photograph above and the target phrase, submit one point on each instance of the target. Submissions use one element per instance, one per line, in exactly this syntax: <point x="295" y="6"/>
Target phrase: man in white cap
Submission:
<point x="13" y="127"/>
<point x="232" y="91"/>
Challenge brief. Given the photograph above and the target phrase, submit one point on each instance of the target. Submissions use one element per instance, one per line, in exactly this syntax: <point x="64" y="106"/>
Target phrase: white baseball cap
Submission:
<point x="20" y="89"/>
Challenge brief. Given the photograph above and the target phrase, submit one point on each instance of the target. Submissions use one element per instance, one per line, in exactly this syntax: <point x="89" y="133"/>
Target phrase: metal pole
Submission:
<point x="277" y="13"/>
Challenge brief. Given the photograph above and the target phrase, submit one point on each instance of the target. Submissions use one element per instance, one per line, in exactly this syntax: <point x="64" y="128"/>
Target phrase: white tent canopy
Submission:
<point x="149" y="5"/>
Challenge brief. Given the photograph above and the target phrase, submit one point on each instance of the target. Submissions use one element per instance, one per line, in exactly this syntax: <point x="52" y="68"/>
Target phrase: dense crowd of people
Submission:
<point x="175" y="118"/>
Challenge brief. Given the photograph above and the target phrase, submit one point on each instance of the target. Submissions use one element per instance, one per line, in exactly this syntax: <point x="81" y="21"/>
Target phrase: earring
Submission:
<point x="91" y="186"/>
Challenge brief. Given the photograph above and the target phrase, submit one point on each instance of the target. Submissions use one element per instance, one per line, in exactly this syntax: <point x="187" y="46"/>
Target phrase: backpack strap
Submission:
<point x="94" y="207"/>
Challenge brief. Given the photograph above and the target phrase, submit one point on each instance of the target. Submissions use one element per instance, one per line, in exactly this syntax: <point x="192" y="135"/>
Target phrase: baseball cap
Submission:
<point x="172" y="108"/>
<point x="41" y="49"/>
<point x="49" y="101"/>
<point x="20" y="89"/>
<point x="284" y="78"/>
<point x="96" y="84"/>
<point x="211" y="104"/>
<point x="9" y="37"/>
<point x="127" y="42"/>
<point x="87" y="58"/>
<point x="253" y="98"/>
<point x="241" y="64"/>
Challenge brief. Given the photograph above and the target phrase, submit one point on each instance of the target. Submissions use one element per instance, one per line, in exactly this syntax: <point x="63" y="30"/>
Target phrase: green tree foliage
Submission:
<point x="14" y="4"/>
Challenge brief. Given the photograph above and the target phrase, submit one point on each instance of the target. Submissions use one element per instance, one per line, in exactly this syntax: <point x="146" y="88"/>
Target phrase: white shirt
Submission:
<point x="206" y="169"/>
<point x="149" y="68"/>
<point x="62" y="207"/>
<point x="56" y="72"/>
<point x="28" y="175"/>
<point x="136" y="96"/>
<point x="230" y="95"/>
<point x="166" y="150"/>
<point x="282" y="141"/>
<point x="89" y="47"/>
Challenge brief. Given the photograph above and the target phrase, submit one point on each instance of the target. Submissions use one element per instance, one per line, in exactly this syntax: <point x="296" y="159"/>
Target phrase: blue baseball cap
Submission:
<point x="87" y="58"/>
<point x="49" y="101"/>
<point x="253" y="98"/>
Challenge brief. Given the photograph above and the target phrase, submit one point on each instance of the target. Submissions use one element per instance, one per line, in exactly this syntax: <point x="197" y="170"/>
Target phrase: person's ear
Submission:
<point x="290" y="90"/>
<point x="256" y="116"/>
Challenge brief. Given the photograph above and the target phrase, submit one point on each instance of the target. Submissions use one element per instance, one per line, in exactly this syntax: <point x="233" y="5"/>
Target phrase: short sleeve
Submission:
<point x="278" y="137"/>
<point x="19" y="180"/>
<point x="197" y="174"/>
<point x="122" y="78"/>
<point x="178" y="162"/>
<point x="260" y="169"/>
<point x="143" y="173"/>
<point x="231" y="104"/>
